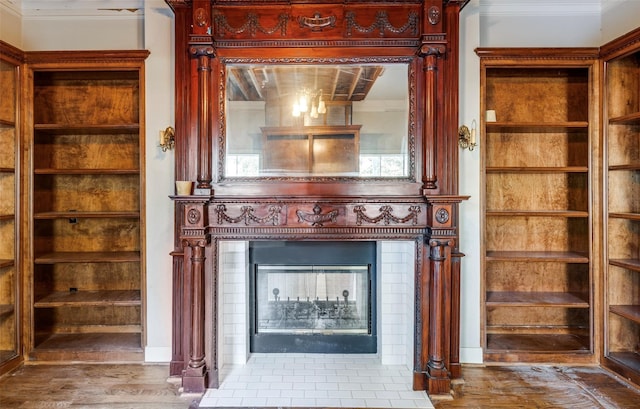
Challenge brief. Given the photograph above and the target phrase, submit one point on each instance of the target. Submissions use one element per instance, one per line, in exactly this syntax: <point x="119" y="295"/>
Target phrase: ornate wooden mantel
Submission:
<point x="423" y="208"/>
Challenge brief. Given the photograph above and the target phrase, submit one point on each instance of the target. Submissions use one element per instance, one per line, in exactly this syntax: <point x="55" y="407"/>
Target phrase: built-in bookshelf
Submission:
<point x="87" y="199"/>
<point x="537" y="216"/>
<point x="622" y="213"/>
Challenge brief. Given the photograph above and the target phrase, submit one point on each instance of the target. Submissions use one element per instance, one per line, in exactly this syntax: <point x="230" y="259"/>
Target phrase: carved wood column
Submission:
<point x="201" y="47"/>
<point x="437" y="293"/>
<point x="195" y="239"/>
<point x="432" y="48"/>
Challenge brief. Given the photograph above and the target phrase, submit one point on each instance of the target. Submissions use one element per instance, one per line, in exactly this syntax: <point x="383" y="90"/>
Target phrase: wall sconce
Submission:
<point x="167" y="139"/>
<point x="467" y="137"/>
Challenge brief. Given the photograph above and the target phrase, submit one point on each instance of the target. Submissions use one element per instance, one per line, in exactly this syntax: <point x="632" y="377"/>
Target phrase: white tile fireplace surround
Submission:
<point x="395" y="312"/>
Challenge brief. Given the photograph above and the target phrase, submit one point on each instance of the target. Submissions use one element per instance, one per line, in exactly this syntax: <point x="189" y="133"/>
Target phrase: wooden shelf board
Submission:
<point x="537" y="169"/>
<point x="6" y="262"/>
<point x="630" y="119"/>
<point x="630" y="312"/>
<point x="628" y="166"/>
<point x="7" y="170"/>
<point x="86" y="215"/>
<point x="7" y="217"/>
<point x="547" y="343"/>
<point x="542" y="256"/>
<point x="6" y="309"/>
<point x="542" y="213"/>
<point x="624" y="215"/>
<point x="536" y="299"/>
<point x="85" y="171"/>
<point x="630" y="264"/>
<point x="538" y="126"/>
<point x="94" y="347"/>
<point x="90" y="298"/>
<point x="7" y="354"/>
<point x="88" y="257"/>
<point x="629" y="359"/>
<point x="7" y="124"/>
<point x="87" y="128"/>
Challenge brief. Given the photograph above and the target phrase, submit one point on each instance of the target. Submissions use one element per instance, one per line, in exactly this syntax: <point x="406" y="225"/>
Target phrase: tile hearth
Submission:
<point x="315" y="380"/>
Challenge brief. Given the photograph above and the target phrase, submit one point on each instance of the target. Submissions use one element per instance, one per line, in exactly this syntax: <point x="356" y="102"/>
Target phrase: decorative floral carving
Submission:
<point x="200" y="17"/>
<point x="247" y="215"/>
<point x="382" y="23"/>
<point x="193" y="216"/>
<point x="386" y="215"/>
<point x="433" y="15"/>
<point x="317" y="218"/>
<point x="252" y="25"/>
<point x="442" y="215"/>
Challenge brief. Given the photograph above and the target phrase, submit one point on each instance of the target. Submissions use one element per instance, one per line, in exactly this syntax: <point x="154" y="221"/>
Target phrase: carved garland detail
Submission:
<point x="382" y="23"/>
<point x="252" y="25"/>
<point x="247" y="216"/>
<point x="386" y="215"/>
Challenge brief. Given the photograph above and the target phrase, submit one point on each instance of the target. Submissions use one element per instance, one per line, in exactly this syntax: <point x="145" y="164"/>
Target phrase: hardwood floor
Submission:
<point x="147" y="386"/>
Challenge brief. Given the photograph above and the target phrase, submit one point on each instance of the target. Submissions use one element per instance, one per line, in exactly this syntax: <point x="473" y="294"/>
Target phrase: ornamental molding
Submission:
<point x="386" y="215"/>
<point x="247" y="215"/>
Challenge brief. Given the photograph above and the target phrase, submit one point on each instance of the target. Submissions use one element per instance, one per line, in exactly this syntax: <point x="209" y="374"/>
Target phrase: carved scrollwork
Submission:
<point x="386" y="215"/>
<point x="317" y="219"/>
<point x="382" y="23"/>
<point x="252" y="25"/>
<point x="248" y="217"/>
<point x="317" y="23"/>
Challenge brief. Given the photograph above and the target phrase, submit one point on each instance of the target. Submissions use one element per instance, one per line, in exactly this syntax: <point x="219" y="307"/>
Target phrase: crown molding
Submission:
<point x="557" y="8"/>
<point x="80" y="8"/>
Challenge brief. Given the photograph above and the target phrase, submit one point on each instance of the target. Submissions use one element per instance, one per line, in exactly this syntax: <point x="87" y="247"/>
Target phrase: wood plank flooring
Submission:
<point x="147" y="386"/>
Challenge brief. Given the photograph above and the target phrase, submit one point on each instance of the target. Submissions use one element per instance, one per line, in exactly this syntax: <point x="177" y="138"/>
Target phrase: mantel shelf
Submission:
<point x="86" y="214"/>
<point x="630" y="312"/>
<point x="87" y="128"/>
<point x="542" y="213"/>
<point x="537" y="299"/>
<point x="540" y="256"/>
<point x="88" y="257"/>
<point x="90" y="298"/>
<point x="630" y="264"/>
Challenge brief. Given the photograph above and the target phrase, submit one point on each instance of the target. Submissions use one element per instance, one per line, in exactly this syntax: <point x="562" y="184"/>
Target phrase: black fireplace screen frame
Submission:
<point x="316" y="253"/>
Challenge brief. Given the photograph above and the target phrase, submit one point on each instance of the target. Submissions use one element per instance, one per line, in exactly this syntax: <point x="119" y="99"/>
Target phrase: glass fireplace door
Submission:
<point x="313" y="297"/>
<point x="309" y="299"/>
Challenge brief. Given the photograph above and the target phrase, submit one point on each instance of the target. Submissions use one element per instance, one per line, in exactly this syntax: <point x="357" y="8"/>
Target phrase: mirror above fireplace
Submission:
<point x="334" y="119"/>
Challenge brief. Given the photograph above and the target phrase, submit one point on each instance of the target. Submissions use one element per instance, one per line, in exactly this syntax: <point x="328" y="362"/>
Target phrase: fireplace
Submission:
<point x="312" y="297"/>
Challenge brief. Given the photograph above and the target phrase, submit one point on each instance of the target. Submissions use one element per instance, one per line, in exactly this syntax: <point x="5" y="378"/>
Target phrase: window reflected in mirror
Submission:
<point x="347" y="120"/>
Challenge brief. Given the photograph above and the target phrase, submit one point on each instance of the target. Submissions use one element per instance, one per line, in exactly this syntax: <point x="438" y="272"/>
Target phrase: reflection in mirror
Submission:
<point x="348" y="120"/>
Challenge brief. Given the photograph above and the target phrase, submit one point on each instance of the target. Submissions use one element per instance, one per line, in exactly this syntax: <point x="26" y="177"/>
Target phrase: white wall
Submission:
<point x="469" y="176"/>
<point x="10" y="24"/>
<point x="160" y="102"/>
<point x="619" y="17"/>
